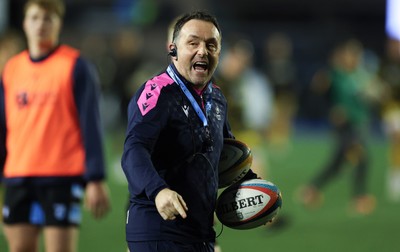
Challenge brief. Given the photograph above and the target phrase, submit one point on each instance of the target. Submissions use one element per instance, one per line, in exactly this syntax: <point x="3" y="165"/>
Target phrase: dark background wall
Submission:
<point x="314" y="26"/>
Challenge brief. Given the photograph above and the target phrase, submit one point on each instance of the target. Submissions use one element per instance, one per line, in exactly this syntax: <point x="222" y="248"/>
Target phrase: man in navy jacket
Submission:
<point x="176" y="125"/>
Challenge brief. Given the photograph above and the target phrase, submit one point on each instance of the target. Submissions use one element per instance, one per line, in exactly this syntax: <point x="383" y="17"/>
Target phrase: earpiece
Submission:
<point x="173" y="52"/>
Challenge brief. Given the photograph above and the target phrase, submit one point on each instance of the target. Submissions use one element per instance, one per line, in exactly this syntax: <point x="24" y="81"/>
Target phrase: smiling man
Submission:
<point x="199" y="44"/>
<point x="176" y="125"/>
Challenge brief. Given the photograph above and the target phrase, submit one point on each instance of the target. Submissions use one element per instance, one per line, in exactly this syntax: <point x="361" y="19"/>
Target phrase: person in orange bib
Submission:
<point x="50" y="137"/>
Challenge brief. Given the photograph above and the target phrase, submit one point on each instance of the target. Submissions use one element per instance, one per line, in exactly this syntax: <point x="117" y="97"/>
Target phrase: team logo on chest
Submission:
<point x="218" y="113"/>
<point x="22" y="99"/>
<point x="185" y="109"/>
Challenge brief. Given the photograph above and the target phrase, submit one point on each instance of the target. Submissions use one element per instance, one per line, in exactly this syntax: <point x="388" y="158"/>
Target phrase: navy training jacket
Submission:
<point x="164" y="148"/>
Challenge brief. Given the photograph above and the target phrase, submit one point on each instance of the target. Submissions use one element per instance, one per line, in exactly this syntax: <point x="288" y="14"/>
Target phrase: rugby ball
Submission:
<point x="248" y="204"/>
<point x="235" y="161"/>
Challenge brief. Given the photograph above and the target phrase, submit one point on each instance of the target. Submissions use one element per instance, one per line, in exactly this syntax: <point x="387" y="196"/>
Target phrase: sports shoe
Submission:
<point x="310" y="197"/>
<point x="364" y="204"/>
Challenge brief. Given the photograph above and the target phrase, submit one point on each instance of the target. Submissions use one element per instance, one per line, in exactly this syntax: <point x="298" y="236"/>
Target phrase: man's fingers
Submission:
<point x="183" y="203"/>
<point x="170" y="204"/>
<point x="168" y="215"/>
<point x="180" y="207"/>
<point x="164" y="216"/>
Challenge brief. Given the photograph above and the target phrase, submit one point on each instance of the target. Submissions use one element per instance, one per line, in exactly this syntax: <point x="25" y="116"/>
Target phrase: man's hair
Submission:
<point x="198" y="15"/>
<point x="54" y="6"/>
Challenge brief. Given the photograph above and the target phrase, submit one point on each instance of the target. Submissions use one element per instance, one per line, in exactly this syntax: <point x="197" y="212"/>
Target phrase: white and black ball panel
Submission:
<point x="249" y="204"/>
<point x="235" y="161"/>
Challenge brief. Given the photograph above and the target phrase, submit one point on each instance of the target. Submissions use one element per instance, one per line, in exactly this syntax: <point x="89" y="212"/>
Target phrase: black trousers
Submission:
<point x="170" y="246"/>
<point x="350" y="145"/>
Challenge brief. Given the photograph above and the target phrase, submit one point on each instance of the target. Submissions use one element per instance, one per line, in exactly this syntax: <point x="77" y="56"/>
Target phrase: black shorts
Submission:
<point x="52" y="205"/>
<point x="170" y="246"/>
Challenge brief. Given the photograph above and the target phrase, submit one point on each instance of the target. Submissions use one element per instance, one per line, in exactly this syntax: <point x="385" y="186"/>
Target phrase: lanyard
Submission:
<point x="189" y="95"/>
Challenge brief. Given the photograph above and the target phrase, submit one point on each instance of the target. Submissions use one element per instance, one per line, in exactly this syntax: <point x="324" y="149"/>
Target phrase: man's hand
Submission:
<point x="170" y="204"/>
<point x="97" y="199"/>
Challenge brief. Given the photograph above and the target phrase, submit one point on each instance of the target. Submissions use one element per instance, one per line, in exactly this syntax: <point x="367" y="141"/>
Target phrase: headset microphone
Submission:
<point x="173" y="52"/>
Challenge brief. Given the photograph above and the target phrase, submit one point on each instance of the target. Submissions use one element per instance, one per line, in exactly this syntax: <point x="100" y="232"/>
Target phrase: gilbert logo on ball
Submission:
<point x="249" y="204"/>
<point x="235" y="161"/>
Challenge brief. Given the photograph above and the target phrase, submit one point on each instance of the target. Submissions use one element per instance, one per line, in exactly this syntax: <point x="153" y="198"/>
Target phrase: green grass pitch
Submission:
<point x="329" y="229"/>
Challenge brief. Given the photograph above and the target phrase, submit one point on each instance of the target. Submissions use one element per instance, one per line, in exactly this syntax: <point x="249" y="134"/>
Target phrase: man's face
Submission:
<point x="41" y="26"/>
<point x="198" y="49"/>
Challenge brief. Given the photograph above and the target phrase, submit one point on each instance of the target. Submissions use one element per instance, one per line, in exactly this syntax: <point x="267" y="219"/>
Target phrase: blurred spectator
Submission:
<point x="139" y="12"/>
<point x="350" y="88"/>
<point x="390" y="75"/>
<point x="317" y="97"/>
<point x="127" y="47"/>
<point x="95" y="47"/>
<point x="249" y="97"/>
<point x="282" y="72"/>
